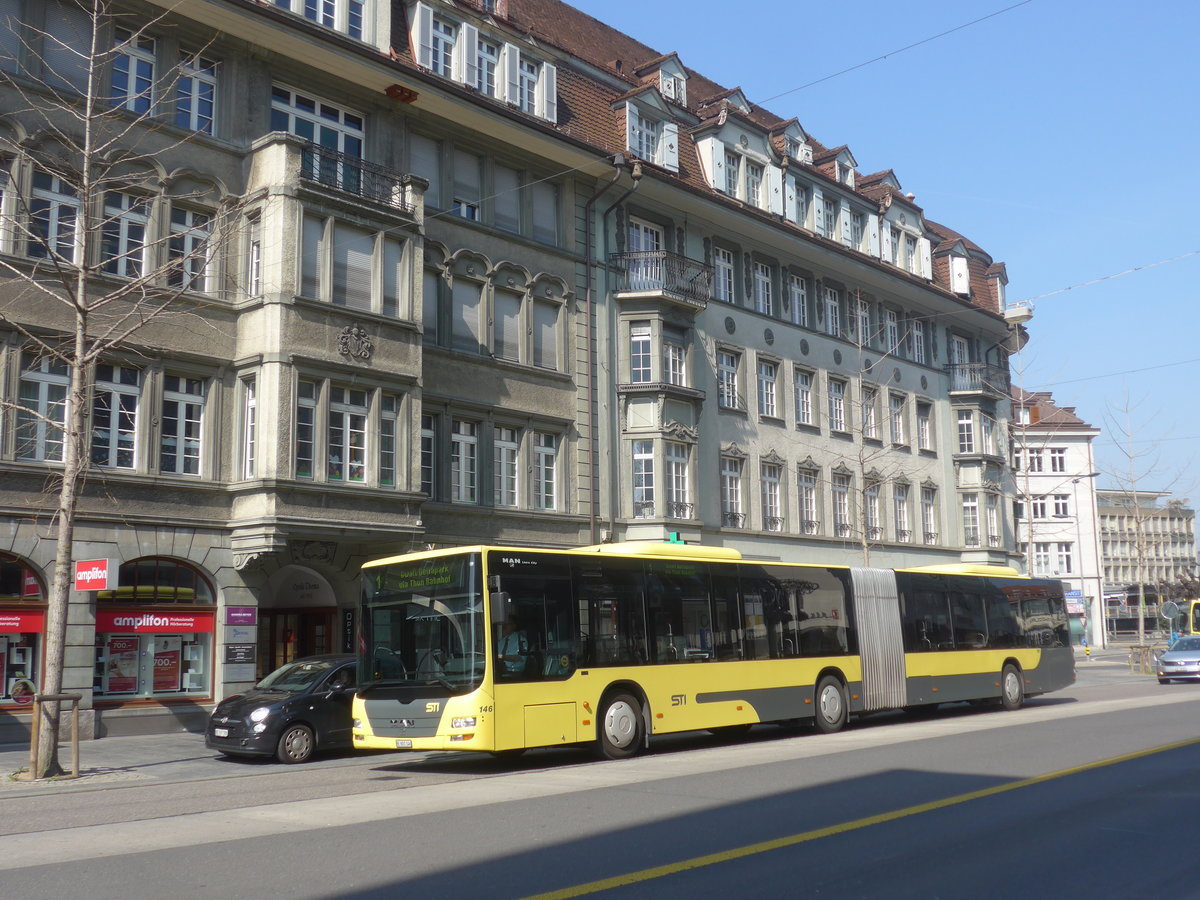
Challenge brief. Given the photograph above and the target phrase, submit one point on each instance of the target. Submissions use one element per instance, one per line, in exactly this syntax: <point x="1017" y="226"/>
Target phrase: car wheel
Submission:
<point x="621" y="727"/>
<point x="831" y="712"/>
<point x="1012" y="691"/>
<point x="296" y="744"/>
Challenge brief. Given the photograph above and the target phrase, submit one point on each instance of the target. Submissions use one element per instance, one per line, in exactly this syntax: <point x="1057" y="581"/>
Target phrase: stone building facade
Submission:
<point x="492" y="272"/>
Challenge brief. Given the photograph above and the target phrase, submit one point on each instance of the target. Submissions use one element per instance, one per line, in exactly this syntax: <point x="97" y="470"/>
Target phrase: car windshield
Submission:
<point x="295" y="677"/>
<point x="423" y="624"/>
<point x="1187" y="643"/>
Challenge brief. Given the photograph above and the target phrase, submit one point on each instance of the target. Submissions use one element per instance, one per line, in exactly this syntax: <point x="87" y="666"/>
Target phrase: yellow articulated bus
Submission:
<point x="500" y="649"/>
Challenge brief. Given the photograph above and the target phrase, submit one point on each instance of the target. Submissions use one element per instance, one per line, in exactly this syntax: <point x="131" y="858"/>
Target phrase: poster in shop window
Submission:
<point x="167" y="653"/>
<point x="120" y="672"/>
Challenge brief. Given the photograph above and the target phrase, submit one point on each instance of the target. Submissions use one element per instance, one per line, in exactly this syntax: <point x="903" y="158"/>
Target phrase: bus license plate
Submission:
<point x="403" y="745"/>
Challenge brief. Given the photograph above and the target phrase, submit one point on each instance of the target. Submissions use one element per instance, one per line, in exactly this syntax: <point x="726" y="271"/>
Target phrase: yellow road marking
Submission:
<point x="792" y="840"/>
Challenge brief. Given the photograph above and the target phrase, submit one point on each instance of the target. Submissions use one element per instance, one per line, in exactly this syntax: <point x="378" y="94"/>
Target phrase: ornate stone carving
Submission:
<point x="245" y="561"/>
<point x="680" y="431"/>
<point x="314" y="551"/>
<point x="353" y="341"/>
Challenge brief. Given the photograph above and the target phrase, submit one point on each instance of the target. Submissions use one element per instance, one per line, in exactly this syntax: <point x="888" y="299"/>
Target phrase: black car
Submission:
<point x="299" y="708"/>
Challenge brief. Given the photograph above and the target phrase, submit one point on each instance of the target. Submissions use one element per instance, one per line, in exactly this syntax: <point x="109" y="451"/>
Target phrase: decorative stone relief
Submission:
<point x="355" y="342"/>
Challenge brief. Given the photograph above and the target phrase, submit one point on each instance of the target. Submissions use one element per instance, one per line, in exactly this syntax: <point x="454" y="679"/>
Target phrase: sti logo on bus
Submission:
<point x="433" y="707"/>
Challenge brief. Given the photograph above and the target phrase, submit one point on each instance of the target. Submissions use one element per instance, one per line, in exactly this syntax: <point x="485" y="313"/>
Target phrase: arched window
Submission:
<point x="18" y="582"/>
<point x="154" y="580"/>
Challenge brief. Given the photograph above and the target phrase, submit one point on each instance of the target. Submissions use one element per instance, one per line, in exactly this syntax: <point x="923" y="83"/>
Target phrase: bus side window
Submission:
<point x="727" y="617"/>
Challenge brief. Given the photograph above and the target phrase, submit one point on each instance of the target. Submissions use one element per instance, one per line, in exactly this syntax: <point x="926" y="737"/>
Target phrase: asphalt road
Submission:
<point x="1067" y="796"/>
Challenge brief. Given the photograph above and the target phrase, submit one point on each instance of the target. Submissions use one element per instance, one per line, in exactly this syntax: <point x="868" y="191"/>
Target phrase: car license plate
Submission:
<point x="220" y="732"/>
<point x="403" y="745"/>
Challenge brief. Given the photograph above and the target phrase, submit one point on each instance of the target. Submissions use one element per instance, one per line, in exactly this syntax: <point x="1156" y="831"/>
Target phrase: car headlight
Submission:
<point x="259" y="714"/>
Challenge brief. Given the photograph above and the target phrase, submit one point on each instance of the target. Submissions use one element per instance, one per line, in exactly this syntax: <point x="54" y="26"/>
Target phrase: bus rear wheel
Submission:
<point x="831" y="712"/>
<point x="1012" y="692"/>
<point x="622" y="728"/>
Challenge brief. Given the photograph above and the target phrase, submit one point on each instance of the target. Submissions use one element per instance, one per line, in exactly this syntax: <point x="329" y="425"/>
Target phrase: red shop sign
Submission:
<point x="16" y="621"/>
<point x="140" y="621"/>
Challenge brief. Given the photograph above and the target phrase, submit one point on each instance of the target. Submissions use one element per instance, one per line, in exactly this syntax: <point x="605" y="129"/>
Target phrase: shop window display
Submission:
<point x="22" y="620"/>
<point x="149" y="644"/>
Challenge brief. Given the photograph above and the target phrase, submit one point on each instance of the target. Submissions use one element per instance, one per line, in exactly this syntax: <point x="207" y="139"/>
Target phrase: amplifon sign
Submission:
<point x="94" y="574"/>
<point x="119" y="621"/>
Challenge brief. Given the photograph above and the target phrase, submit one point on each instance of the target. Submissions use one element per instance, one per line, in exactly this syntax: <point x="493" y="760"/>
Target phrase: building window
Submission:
<point x="545" y="334"/>
<point x="674" y="356"/>
<point x="347" y="434"/>
<point x="1037" y="507"/>
<point x="837" y="405"/>
<point x="188" y="250"/>
<point x="640" y="356"/>
<point x="929" y="515"/>
<point x="115" y="400"/>
<point x="441" y="47"/>
<point x="723" y="280"/>
<point x="993" y="519"/>
<point x="918" y="341"/>
<point x="468" y="185"/>
<point x="1058" y="459"/>
<point x="326" y="125"/>
<point x="464" y="456"/>
<point x="528" y="83"/>
<point x="896" y="403"/>
<point x="249" y="427"/>
<point x="728" y="364"/>
<point x="133" y="71"/>
<point x="182" y="424"/>
<point x="733" y="173"/>
<point x="731" y="492"/>
<point x="196" y="93"/>
<point x="924" y="426"/>
<point x="767" y="372"/>
<point x="987" y="435"/>
<point x="833" y="311"/>
<point x="306" y="429"/>
<point x="466" y="308"/>
<point x="489" y="62"/>
<point x="1033" y="459"/>
<point x="679" y="504"/>
<point x="1041" y="558"/>
<point x="545" y="471"/>
<point x="894" y="246"/>
<point x="1063" y="551"/>
<point x="504" y="455"/>
<point x="389" y="409"/>
<point x="253" y="274"/>
<point x="900" y="513"/>
<point x="966" y="431"/>
<point x="870" y="413"/>
<point x="429" y="453"/>
<point x="643" y="479"/>
<point x="840" y="487"/>
<point x="771" y="502"/>
<point x="123" y="247"/>
<point x="910" y="253"/>
<point x="891" y="330"/>
<point x="754" y="184"/>
<point x="342" y="15"/>
<point x="829" y="217"/>
<point x="860" y="322"/>
<point x="858" y="229"/>
<point x="970" y="520"/>
<point x="1062" y="507"/>
<point x="53" y="212"/>
<point x="871" y="514"/>
<point x="42" y="409"/>
<point x="763" y="301"/>
<point x="644" y="135"/>
<point x="804" y="397"/>
<point x="807" y="489"/>
<point x="798" y="298"/>
<point x="506" y="325"/>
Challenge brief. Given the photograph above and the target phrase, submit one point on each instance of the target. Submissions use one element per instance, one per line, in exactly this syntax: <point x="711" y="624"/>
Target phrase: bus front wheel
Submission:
<point x="621" y="727"/>
<point x="831" y="712"/>
<point x="1012" y="692"/>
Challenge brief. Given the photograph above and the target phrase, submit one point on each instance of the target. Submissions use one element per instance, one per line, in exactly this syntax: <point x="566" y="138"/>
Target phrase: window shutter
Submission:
<point x="775" y="190"/>
<point x="631" y="126"/>
<point x="926" y="258"/>
<point x="548" y="93"/>
<point x="67" y="28"/>
<point x="421" y="34"/>
<point x="669" y="149"/>
<point x="789" y="200"/>
<point x="818" y="208"/>
<point x="712" y="161"/>
<point x="353" y="255"/>
<point x="885" y="241"/>
<point x="466" y="57"/>
<point x="393" y="276"/>
<point x="873" y="235"/>
<point x="312" y="249"/>
<point x="512" y="74"/>
<point x="465" y="295"/>
<point x="508" y="325"/>
<point x="960" y="279"/>
<point x="545" y="334"/>
<point x="847" y="237"/>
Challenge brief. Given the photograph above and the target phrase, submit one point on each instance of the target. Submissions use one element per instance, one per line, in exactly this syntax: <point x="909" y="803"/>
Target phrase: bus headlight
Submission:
<point x="356" y="723"/>
<point x="464" y="722"/>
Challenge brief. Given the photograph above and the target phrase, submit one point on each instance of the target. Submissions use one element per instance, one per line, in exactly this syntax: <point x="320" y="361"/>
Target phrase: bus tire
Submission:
<point x="622" y="729"/>
<point x="1012" y="691"/>
<point x="830" y="714"/>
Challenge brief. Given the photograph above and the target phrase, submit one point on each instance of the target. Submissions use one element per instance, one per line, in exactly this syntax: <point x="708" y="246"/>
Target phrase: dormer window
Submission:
<point x="845" y="174"/>
<point x="346" y="16"/>
<point x="673" y="87"/>
<point x="650" y="138"/>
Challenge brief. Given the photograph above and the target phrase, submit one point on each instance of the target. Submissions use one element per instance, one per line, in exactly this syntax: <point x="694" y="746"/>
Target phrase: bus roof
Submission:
<point x="663" y="548"/>
<point x="965" y="569"/>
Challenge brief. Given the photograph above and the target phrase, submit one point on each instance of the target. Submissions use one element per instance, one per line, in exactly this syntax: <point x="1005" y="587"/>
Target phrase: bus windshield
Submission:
<point x="423" y="624"/>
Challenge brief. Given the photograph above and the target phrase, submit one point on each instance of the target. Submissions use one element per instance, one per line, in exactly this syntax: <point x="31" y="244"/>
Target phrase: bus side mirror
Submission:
<point x="499" y="607"/>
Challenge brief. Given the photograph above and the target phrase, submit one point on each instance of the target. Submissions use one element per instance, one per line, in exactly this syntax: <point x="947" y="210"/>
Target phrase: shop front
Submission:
<point x="22" y="624"/>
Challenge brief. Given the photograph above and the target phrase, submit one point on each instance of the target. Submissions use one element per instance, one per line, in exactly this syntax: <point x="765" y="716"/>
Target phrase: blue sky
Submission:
<point x="1059" y="135"/>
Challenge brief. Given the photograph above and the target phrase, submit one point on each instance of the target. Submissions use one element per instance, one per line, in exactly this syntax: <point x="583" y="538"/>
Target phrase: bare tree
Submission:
<point x="96" y="264"/>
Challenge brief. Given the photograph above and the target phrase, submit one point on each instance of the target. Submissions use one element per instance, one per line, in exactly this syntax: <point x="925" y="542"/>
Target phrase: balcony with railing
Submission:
<point x="978" y="378"/>
<point x="733" y="520"/>
<point x="677" y="509"/>
<point x="351" y="175"/>
<point x="675" y="278"/>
